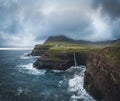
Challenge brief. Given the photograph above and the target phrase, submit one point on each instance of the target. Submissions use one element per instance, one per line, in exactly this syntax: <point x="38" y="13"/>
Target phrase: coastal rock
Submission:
<point x="40" y="49"/>
<point x="102" y="77"/>
<point x="59" y="61"/>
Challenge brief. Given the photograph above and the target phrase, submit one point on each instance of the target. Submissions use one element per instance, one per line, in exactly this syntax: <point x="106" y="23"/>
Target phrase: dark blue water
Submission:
<point x="19" y="81"/>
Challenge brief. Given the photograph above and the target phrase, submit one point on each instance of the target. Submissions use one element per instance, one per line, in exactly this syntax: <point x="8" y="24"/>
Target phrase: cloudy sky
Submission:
<point x="24" y="23"/>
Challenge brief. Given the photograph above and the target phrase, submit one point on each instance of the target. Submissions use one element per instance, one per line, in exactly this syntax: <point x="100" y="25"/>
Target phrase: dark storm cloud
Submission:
<point x="112" y="7"/>
<point x="32" y="21"/>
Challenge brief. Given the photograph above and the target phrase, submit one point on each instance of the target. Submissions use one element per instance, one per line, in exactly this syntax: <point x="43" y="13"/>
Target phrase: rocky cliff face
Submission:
<point x="102" y="77"/>
<point x="59" y="61"/>
<point x="39" y="50"/>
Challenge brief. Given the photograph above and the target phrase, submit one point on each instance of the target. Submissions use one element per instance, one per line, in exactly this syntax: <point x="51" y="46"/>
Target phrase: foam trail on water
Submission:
<point x="25" y="57"/>
<point x="76" y="85"/>
<point x="19" y="91"/>
<point x="28" y="68"/>
<point x="57" y="71"/>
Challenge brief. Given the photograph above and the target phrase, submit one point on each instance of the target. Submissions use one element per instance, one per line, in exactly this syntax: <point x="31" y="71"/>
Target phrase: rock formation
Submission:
<point x="102" y="76"/>
<point x="59" y="61"/>
<point x="39" y="50"/>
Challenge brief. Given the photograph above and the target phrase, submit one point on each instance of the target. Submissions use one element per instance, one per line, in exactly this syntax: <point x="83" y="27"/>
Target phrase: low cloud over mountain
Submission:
<point x="28" y="22"/>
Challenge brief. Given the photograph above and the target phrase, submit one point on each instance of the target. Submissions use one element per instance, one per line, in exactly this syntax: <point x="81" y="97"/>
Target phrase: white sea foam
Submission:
<point x="74" y="68"/>
<point x="28" y="57"/>
<point x="76" y="85"/>
<point x="36" y="56"/>
<point x="57" y="71"/>
<point x="60" y="83"/>
<point x="25" y="57"/>
<point x="19" y="91"/>
<point x="30" y="70"/>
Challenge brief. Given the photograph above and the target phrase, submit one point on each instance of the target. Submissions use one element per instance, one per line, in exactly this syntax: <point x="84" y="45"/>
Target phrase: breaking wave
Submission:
<point x="25" y="56"/>
<point x="76" y="84"/>
<point x="28" y="68"/>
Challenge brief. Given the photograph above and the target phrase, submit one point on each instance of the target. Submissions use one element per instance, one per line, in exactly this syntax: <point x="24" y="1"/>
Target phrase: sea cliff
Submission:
<point x="39" y="49"/>
<point x="102" y="78"/>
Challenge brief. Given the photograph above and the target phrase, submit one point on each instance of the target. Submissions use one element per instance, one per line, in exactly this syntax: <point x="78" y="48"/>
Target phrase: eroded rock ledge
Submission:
<point x="59" y="61"/>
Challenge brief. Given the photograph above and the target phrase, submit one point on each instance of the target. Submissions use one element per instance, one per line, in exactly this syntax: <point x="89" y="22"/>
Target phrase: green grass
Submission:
<point x="61" y="44"/>
<point x="113" y="54"/>
<point x="42" y="46"/>
<point x="63" y="49"/>
<point x="70" y="44"/>
<point x="71" y="47"/>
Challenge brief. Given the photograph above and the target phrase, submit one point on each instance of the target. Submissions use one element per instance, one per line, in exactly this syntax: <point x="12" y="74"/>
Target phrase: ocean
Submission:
<point x="19" y="81"/>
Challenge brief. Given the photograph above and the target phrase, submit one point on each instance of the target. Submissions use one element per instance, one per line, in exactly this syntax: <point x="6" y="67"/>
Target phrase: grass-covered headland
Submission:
<point x="102" y="78"/>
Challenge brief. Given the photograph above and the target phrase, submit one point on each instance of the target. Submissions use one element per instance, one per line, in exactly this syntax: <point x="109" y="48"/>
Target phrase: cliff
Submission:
<point x="63" y="41"/>
<point x="60" y="59"/>
<point x="39" y="50"/>
<point x="102" y="78"/>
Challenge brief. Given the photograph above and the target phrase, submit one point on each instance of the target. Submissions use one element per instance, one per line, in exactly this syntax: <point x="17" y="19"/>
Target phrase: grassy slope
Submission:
<point x="111" y="53"/>
<point x="64" y="47"/>
<point x="70" y="47"/>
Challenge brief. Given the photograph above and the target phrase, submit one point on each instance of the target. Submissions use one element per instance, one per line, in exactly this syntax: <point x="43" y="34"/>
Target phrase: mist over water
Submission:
<point x="19" y="81"/>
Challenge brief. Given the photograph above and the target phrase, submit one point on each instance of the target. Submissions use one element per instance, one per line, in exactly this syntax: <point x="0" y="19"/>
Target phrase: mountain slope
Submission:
<point x="61" y="39"/>
<point x="58" y="39"/>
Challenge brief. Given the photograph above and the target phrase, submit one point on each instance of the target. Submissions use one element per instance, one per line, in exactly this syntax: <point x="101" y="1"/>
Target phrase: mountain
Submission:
<point x="69" y="40"/>
<point x="62" y="38"/>
<point x="117" y="42"/>
<point x="58" y="39"/>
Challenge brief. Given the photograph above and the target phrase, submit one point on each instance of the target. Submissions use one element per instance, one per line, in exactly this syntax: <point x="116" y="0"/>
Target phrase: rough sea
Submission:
<point x="19" y="81"/>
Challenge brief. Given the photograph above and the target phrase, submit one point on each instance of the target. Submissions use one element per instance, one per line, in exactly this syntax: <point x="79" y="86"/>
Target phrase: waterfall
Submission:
<point x="76" y="83"/>
<point x="75" y="61"/>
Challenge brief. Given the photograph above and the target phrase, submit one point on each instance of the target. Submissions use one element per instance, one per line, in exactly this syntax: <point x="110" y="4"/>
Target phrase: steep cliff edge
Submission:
<point x="60" y="59"/>
<point x="102" y="77"/>
<point x="40" y="49"/>
<point x="63" y="41"/>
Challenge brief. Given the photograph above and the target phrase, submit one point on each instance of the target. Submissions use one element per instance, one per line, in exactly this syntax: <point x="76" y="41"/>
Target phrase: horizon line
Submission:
<point x="8" y="48"/>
